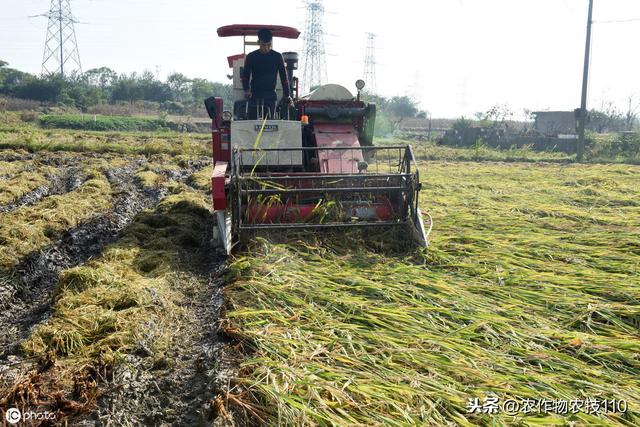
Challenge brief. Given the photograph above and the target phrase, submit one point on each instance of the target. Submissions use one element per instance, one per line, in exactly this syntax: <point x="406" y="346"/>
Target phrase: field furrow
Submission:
<point x="28" y="188"/>
<point x="145" y="304"/>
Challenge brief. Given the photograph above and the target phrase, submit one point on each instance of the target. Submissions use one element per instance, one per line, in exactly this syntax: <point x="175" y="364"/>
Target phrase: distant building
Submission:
<point x="561" y="124"/>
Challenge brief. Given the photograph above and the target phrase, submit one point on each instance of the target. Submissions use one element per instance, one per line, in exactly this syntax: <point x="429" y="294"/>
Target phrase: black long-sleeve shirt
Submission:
<point x="262" y="69"/>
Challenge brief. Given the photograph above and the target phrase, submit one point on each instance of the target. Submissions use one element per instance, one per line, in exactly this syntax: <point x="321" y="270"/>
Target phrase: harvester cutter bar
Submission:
<point x="368" y="176"/>
<point x="325" y="225"/>
<point x="359" y="148"/>
<point x="324" y="190"/>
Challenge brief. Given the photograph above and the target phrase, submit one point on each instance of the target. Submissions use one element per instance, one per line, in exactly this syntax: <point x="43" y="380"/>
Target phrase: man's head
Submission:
<point x="264" y="39"/>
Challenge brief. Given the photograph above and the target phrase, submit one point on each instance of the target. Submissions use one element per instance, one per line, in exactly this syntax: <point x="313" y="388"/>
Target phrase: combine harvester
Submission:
<point x="311" y="166"/>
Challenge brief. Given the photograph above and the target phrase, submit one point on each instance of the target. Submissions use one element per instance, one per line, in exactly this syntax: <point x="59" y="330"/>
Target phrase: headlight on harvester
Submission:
<point x="359" y="84"/>
<point x="227" y="116"/>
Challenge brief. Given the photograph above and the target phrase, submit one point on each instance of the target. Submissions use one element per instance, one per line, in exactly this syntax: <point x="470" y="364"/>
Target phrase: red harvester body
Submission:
<point x="307" y="166"/>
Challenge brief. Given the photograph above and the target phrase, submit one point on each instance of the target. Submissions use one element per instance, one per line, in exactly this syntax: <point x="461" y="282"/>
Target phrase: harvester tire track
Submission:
<point x="67" y="180"/>
<point x="13" y="157"/>
<point x="29" y="295"/>
<point x="140" y="394"/>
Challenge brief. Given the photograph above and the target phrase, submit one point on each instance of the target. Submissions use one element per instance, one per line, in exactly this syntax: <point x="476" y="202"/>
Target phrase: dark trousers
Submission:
<point x="262" y="104"/>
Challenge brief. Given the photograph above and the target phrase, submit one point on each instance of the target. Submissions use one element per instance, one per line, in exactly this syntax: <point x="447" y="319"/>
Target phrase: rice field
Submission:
<point x="530" y="290"/>
<point x="103" y="273"/>
<point x="110" y="294"/>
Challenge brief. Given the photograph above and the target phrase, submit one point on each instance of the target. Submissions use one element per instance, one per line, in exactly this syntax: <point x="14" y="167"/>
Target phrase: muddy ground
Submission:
<point x="136" y="392"/>
<point x="183" y="394"/>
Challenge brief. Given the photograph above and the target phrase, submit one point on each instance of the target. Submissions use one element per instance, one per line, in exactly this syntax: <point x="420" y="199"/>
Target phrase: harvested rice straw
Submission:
<point x="529" y="290"/>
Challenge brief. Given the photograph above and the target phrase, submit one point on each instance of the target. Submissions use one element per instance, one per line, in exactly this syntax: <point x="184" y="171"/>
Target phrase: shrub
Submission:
<point x="30" y="116"/>
<point x="125" y="108"/>
<point x="624" y="146"/>
<point x="103" y="123"/>
<point x="461" y="124"/>
<point x="17" y="104"/>
<point x="627" y="143"/>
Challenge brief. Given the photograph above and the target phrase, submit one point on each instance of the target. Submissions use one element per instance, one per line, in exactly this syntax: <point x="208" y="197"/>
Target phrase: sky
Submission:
<point x="454" y="57"/>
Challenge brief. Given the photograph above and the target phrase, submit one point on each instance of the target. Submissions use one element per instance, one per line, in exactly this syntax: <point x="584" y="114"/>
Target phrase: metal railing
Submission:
<point x="391" y="177"/>
<point x="385" y="159"/>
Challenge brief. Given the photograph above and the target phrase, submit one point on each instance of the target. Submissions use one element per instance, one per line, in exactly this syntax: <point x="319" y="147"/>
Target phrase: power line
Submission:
<point x="617" y="21"/>
<point x="314" y="72"/>
<point x="61" y="53"/>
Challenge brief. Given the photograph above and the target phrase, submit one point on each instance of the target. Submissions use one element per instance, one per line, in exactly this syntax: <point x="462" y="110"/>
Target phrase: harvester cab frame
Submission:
<point x="310" y="166"/>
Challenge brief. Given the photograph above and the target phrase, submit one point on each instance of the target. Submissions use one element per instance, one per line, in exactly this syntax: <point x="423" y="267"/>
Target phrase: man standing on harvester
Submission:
<point x="261" y="68"/>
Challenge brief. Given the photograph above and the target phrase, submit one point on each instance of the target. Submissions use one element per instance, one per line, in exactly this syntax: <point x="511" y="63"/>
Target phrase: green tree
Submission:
<point x="631" y="115"/>
<point x="400" y="107"/>
<point x="125" y="88"/>
<point x="224" y="91"/>
<point x="46" y="89"/>
<point x="201" y="89"/>
<point x="103" y="78"/>
<point x="608" y="118"/>
<point x="180" y="86"/>
<point x="76" y="92"/>
<point x="495" y="116"/>
<point x="461" y="124"/>
<point x="10" y="78"/>
<point x="380" y="101"/>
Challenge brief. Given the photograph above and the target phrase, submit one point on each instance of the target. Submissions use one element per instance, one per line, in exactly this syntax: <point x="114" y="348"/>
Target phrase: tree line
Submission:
<point x="178" y="94"/>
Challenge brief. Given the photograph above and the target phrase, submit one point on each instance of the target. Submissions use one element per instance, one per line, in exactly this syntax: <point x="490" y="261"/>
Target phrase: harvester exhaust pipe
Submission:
<point x="291" y="59"/>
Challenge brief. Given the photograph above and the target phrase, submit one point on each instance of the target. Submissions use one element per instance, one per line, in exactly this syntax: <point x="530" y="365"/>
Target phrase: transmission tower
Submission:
<point x="61" y="46"/>
<point x="370" y="62"/>
<point x="314" y="72"/>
